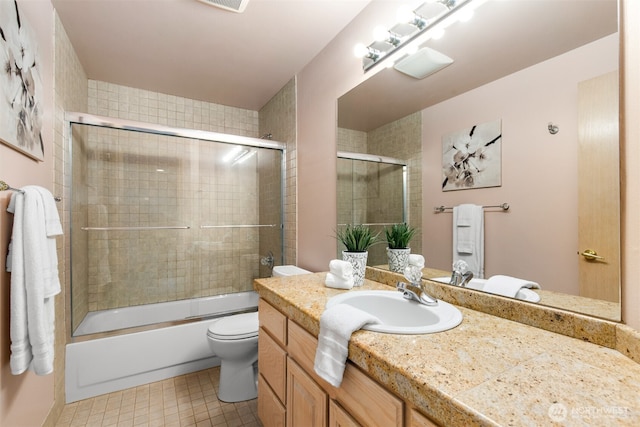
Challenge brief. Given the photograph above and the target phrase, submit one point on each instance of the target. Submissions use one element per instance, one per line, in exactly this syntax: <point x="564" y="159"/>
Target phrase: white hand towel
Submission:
<point x="468" y="237"/>
<point x="507" y="286"/>
<point x="340" y="268"/>
<point x="333" y="281"/>
<point x="34" y="280"/>
<point x="416" y="260"/>
<point x="337" y="323"/>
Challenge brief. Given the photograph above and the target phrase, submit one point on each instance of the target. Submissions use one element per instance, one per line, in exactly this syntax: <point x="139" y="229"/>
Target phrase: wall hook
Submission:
<point x="553" y="129"/>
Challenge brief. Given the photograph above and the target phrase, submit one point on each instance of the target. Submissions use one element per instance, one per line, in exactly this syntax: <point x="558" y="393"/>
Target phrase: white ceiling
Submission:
<point x="191" y="49"/>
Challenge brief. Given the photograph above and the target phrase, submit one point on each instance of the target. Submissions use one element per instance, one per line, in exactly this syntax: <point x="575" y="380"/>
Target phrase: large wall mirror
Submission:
<point x="526" y="64"/>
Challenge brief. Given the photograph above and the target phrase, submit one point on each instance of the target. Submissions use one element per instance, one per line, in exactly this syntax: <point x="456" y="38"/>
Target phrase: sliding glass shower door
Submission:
<point x="158" y="217"/>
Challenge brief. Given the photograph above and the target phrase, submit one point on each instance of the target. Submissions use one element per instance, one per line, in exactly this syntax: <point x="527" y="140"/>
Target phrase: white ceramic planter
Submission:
<point x="359" y="262"/>
<point x="398" y="259"/>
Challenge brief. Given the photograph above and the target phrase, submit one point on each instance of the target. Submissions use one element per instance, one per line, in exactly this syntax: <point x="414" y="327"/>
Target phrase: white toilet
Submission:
<point x="234" y="339"/>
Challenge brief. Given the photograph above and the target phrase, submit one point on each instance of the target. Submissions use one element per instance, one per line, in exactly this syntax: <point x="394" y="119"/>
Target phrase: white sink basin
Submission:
<point x="399" y="315"/>
<point x="523" y="294"/>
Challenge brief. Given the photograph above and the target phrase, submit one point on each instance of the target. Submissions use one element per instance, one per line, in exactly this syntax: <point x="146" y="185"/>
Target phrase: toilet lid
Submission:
<point x="234" y="327"/>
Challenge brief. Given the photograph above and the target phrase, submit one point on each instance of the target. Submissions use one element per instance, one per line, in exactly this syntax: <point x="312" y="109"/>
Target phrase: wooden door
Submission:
<point x="599" y="187"/>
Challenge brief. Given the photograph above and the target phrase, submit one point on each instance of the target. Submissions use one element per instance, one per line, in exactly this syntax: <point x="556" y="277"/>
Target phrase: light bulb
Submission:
<point x="360" y="50"/>
<point x="380" y="34"/>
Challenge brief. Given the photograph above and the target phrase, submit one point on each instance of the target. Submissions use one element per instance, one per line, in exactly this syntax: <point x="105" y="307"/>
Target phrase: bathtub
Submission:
<point x="103" y="365"/>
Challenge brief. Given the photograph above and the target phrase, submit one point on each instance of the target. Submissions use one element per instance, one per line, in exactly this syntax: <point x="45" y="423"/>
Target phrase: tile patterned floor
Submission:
<point x="186" y="401"/>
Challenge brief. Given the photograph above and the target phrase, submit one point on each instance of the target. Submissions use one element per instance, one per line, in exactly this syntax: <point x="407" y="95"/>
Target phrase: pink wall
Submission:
<point x="331" y="74"/>
<point x="25" y="400"/>
<point x="537" y="238"/>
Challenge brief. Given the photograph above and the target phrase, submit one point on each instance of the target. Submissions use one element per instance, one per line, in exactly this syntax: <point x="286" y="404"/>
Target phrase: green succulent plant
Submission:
<point x="357" y="238"/>
<point x="399" y="235"/>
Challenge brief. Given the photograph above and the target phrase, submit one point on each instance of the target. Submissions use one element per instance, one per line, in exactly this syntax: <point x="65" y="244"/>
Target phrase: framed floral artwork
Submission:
<point x="20" y="84"/>
<point x="472" y="158"/>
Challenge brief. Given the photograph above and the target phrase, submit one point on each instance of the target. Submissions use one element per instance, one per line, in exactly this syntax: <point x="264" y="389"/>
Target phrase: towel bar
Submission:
<point x="440" y="209"/>
<point x="4" y="186"/>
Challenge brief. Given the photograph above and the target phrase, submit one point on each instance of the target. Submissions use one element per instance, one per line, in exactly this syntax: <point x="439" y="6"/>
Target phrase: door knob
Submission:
<point x="591" y="255"/>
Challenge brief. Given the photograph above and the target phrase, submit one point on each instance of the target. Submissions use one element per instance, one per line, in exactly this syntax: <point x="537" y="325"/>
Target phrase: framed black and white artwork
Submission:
<point x="472" y="157"/>
<point x="20" y="84"/>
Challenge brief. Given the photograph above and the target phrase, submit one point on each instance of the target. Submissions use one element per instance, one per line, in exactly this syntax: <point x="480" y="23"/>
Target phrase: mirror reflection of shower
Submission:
<point x="371" y="190"/>
<point x="158" y="216"/>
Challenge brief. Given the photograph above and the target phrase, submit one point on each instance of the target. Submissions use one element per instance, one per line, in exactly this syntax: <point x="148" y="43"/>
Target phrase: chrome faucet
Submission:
<point x="416" y="293"/>
<point x="461" y="275"/>
<point x="415" y="290"/>
<point x="460" y="279"/>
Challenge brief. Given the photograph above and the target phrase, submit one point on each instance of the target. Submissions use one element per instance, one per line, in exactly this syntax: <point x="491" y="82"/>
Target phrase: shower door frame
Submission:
<point x="75" y="118"/>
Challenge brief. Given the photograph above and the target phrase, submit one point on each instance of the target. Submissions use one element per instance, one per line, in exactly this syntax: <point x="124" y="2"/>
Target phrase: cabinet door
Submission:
<point x="270" y="411"/>
<point x="306" y="401"/>
<point x="416" y="419"/>
<point x="338" y="417"/>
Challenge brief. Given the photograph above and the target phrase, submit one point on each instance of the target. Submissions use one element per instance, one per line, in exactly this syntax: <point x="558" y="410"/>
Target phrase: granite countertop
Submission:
<point x="487" y="371"/>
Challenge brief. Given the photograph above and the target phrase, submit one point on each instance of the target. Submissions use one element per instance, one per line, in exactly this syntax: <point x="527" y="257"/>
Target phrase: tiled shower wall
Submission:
<point x="278" y="118"/>
<point x="126" y="188"/>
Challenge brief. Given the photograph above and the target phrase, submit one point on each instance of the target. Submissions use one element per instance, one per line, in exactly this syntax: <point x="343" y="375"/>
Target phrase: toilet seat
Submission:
<point x="235" y="327"/>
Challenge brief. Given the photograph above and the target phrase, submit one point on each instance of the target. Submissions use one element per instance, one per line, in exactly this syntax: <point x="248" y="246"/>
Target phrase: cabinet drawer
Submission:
<point x="272" y="363"/>
<point x="366" y="400"/>
<point x="271" y="412"/>
<point x="273" y="321"/>
<point x="302" y="347"/>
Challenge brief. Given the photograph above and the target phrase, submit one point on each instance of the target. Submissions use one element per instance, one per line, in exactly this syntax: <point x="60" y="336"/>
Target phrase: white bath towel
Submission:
<point x="33" y="264"/>
<point x="416" y="260"/>
<point x="468" y="237"/>
<point x="333" y="281"/>
<point x="337" y="323"/>
<point x="507" y="286"/>
<point x="341" y="269"/>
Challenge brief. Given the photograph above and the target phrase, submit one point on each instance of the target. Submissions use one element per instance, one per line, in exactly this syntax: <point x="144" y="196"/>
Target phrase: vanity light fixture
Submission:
<point x="366" y="52"/>
<point x="414" y="27"/>
<point x="381" y="34"/>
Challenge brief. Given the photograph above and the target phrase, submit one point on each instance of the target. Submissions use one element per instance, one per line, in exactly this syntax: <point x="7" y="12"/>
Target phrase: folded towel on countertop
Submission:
<point x="507" y="286"/>
<point x="337" y="323"/>
<point x="333" y="281"/>
<point x="339" y="268"/>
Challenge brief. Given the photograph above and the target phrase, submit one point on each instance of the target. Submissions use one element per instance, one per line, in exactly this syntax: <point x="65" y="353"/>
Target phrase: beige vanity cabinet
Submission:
<point x="291" y="394"/>
<point x="272" y="366"/>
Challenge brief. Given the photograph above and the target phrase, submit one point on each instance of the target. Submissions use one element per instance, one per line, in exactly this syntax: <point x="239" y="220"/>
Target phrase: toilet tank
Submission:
<point x="288" y="270"/>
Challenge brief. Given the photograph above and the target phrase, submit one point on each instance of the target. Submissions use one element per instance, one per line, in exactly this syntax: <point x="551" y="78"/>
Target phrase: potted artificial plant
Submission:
<point x="357" y="239"/>
<point x="398" y="238"/>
